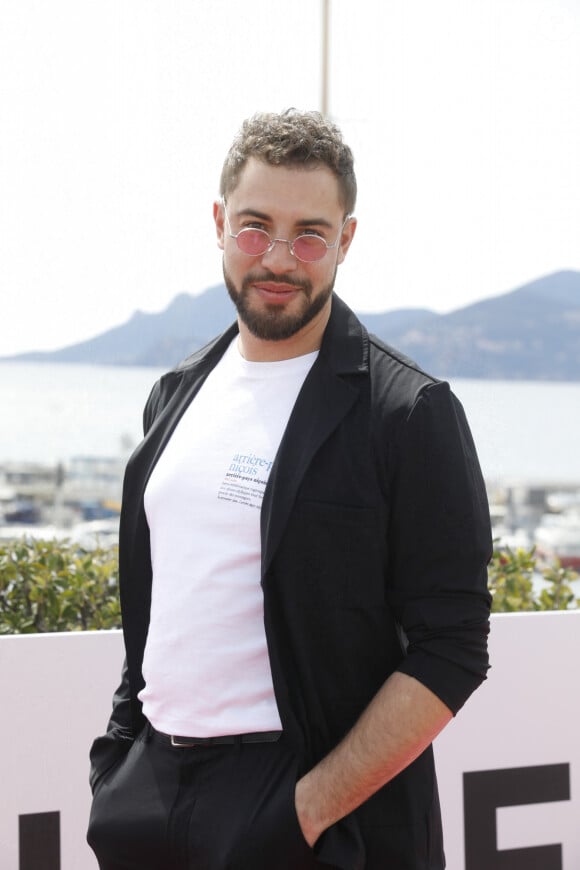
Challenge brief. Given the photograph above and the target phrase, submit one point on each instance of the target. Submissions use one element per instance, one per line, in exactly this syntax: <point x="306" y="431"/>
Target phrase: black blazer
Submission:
<point x="375" y="540"/>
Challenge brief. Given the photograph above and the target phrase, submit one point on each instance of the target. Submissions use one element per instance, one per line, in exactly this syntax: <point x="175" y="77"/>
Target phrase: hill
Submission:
<point x="532" y="332"/>
<point x="161" y="339"/>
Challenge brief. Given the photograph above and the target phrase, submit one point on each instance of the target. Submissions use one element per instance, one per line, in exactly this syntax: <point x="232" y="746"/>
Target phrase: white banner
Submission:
<point x="508" y="765"/>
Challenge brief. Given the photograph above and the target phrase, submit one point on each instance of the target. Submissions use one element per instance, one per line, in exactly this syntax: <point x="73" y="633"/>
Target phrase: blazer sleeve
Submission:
<point x="112" y="746"/>
<point x="440" y="544"/>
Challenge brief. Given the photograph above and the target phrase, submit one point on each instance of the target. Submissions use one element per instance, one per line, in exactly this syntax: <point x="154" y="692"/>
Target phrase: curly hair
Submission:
<point x="291" y="138"/>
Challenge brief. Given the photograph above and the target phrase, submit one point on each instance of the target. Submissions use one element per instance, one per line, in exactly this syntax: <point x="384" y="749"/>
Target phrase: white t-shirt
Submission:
<point x="206" y="665"/>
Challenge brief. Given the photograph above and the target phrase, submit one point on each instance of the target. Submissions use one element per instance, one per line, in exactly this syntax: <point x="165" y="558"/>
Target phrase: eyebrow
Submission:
<point x="317" y="221"/>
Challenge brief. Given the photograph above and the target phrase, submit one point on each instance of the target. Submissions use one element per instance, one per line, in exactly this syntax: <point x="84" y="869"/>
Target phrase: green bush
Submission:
<point x="511" y="583"/>
<point x="54" y="586"/>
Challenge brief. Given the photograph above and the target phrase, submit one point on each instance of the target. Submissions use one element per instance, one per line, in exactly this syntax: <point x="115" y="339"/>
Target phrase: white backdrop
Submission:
<point x="56" y="695"/>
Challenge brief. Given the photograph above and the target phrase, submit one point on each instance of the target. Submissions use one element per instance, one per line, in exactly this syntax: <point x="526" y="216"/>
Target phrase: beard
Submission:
<point x="273" y="322"/>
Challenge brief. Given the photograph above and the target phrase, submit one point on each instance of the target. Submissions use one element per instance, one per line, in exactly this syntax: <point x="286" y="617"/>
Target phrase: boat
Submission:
<point x="558" y="537"/>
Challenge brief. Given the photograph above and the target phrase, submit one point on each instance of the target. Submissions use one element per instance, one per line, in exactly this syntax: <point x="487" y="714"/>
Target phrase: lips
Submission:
<point x="274" y="292"/>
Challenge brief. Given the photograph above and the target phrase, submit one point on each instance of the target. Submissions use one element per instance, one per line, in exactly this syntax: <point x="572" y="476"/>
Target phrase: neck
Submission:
<point x="306" y="341"/>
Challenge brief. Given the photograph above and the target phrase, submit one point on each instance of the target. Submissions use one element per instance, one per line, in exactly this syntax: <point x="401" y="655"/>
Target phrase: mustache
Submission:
<point x="271" y="278"/>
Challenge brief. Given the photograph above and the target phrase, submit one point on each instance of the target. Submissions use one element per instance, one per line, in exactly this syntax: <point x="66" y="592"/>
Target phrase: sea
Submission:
<point x="526" y="432"/>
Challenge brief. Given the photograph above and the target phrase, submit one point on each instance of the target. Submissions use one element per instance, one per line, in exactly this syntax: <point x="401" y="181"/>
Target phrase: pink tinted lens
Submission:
<point x="309" y="248"/>
<point x="253" y="242"/>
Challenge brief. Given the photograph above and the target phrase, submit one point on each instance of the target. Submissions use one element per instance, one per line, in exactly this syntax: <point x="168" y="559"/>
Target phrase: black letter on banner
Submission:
<point x="39" y="838"/>
<point x="484" y="791"/>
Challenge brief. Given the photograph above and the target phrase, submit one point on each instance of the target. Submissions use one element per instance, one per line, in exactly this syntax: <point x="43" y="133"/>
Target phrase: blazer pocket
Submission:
<point x="338" y="551"/>
<point x="105" y="753"/>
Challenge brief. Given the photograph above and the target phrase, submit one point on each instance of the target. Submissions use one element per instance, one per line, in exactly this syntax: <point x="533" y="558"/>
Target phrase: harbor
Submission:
<point x="544" y="516"/>
<point x="80" y="500"/>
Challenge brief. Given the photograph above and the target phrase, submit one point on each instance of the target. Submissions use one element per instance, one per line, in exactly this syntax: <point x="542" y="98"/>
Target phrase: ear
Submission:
<point x="219" y="220"/>
<point x="346" y="238"/>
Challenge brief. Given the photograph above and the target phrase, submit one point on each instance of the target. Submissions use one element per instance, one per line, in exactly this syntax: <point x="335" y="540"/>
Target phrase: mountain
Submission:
<point x="161" y="339"/>
<point x="532" y="332"/>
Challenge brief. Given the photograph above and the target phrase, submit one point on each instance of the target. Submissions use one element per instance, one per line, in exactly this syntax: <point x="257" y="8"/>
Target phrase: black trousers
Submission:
<point x="202" y="808"/>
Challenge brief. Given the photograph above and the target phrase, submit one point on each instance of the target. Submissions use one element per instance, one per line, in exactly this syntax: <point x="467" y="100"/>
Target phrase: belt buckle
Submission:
<point x="183" y="745"/>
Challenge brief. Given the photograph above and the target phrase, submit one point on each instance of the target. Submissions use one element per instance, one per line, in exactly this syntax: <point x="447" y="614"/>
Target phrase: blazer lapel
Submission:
<point x="324" y="400"/>
<point x="176" y="391"/>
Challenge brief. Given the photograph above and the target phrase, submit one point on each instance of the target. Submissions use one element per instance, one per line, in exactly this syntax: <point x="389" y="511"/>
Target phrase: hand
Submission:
<point x="310" y="830"/>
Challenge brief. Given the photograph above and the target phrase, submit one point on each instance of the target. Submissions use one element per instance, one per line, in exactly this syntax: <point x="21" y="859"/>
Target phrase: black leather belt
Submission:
<point x="224" y="740"/>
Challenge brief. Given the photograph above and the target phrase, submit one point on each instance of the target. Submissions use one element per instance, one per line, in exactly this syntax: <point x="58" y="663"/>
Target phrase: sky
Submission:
<point x="464" y="118"/>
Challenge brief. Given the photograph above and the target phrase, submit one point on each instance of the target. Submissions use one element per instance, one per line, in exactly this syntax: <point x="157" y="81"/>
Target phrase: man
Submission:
<point x="303" y="552"/>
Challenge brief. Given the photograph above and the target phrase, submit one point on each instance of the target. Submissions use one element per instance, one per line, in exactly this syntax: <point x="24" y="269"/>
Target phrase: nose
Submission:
<point x="280" y="259"/>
